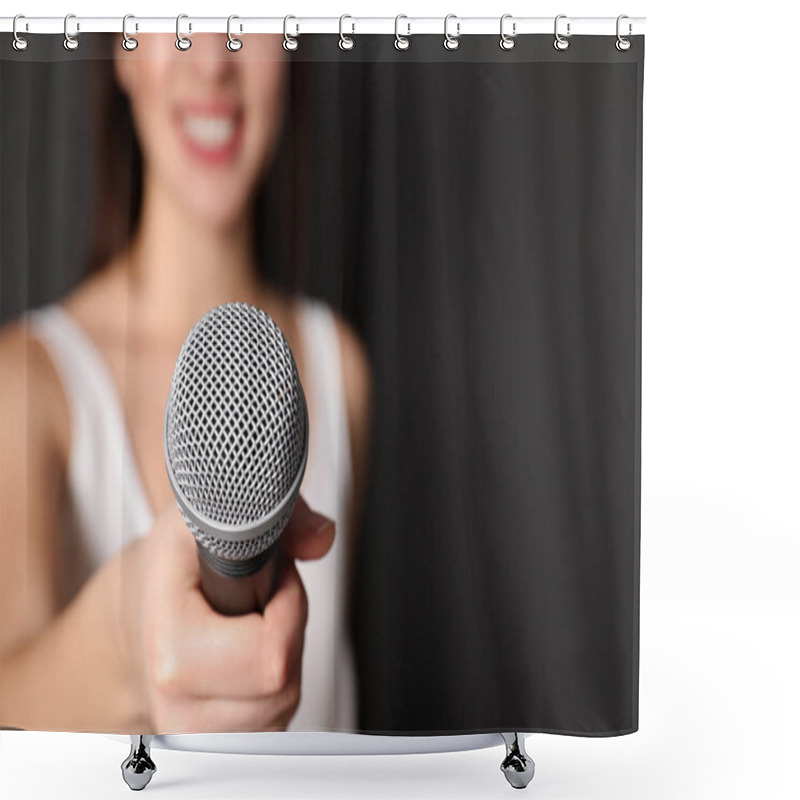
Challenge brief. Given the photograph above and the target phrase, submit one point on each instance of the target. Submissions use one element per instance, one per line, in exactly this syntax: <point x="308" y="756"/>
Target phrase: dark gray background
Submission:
<point x="479" y="219"/>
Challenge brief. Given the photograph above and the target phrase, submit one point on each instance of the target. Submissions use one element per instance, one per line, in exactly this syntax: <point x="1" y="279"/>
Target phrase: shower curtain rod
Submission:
<point x="294" y="25"/>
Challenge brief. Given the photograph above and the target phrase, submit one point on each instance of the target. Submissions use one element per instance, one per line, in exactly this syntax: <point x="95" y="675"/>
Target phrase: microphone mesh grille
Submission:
<point x="235" y="431"/>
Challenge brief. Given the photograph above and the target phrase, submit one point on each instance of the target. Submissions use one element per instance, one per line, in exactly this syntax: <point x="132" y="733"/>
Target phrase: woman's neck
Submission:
<point x="179" y="267"/>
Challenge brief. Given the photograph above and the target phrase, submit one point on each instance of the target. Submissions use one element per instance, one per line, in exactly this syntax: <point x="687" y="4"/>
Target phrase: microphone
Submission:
<point x="236" y="445"/>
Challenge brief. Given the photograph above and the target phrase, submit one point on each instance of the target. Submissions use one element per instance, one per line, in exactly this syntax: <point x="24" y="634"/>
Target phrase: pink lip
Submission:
<point x="211" y="154"/>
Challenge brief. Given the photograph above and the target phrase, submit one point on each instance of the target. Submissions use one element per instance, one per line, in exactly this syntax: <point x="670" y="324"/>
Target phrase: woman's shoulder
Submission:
<point x="24" y="355"/>
<point x="356" y="371"/>
<point x="96" y="301"/>
<point x="32" y="400"/>
<point x="24" y="360"/>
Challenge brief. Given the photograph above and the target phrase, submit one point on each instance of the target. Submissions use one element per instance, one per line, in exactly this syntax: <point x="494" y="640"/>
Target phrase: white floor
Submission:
<point x="719" y="718"/>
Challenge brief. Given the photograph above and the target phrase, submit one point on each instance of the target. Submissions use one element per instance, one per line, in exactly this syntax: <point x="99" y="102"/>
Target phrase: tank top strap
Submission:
<point x="106" y="488"/>
<point x="322" y="353"/>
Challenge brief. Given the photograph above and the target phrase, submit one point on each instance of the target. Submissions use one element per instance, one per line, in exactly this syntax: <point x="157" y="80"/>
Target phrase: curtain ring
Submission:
<point x="129" y="43"/>
<point x="289" y="42"/>
<point x="346" y="42"/>
<point x="233" y="44"/>
<point x="182" y="42"/>
<point x="623" y="44"/>
<point x="561" y="42"/>
<point x="70" y="42"/>
<point x="19" y="42"/>
<point x="401" y="42"/>
<point x="507" y="42"/>
<point x="451" y="42"/>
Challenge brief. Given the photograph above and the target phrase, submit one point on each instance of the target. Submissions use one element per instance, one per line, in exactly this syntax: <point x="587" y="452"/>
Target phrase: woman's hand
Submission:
<point x="196" y="670"/>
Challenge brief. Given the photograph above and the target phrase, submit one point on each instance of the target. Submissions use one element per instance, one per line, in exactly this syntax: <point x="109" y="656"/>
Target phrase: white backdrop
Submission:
<point x="720" y="704"/>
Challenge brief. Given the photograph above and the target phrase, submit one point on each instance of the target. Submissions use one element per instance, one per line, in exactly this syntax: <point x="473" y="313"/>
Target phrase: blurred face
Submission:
<point x="207" y="119"/>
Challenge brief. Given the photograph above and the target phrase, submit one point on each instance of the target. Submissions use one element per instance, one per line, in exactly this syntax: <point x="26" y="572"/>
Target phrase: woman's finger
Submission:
<point x="205" y="654"/>
<point x="309" y="534"/>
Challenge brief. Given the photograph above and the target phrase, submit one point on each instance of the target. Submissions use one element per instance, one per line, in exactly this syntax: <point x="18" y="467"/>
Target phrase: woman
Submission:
<point x="102" y="623"/>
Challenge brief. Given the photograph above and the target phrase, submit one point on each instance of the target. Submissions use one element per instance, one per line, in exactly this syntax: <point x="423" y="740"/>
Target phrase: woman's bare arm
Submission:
<point x="34" y="421"/>
<point x="71" y="675"/>
<point x="57" y="667"/>
<point x="46" y="657"/>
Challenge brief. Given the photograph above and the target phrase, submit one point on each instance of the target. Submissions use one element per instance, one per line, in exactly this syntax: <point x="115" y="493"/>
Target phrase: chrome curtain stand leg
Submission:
<point x="517" y="766"/>
<point x="138" y="768"/>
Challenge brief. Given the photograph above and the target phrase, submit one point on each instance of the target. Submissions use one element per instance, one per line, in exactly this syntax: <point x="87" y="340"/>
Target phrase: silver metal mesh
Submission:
<point x="235" y="431"/>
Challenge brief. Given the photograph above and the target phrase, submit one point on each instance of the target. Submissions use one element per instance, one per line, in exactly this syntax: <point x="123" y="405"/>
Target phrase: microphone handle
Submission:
<point x="238" y="595"/>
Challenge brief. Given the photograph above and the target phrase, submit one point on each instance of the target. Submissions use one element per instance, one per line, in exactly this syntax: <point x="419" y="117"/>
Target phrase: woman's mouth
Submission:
<point x="212" y="134"/>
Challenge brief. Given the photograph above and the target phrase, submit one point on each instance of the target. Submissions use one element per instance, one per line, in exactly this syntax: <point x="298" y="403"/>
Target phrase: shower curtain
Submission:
<point x="465" y="227"/>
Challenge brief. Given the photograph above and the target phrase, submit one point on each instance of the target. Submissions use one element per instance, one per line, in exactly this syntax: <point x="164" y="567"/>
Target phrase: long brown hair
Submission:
<point x="117" y="191"/>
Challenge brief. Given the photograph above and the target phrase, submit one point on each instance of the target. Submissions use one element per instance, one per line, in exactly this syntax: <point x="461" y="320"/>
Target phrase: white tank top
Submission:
<point x="109" y="505"/>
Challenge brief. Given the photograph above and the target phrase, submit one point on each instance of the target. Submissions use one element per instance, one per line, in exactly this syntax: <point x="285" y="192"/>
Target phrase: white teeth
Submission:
<point x="209" y="131"/>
